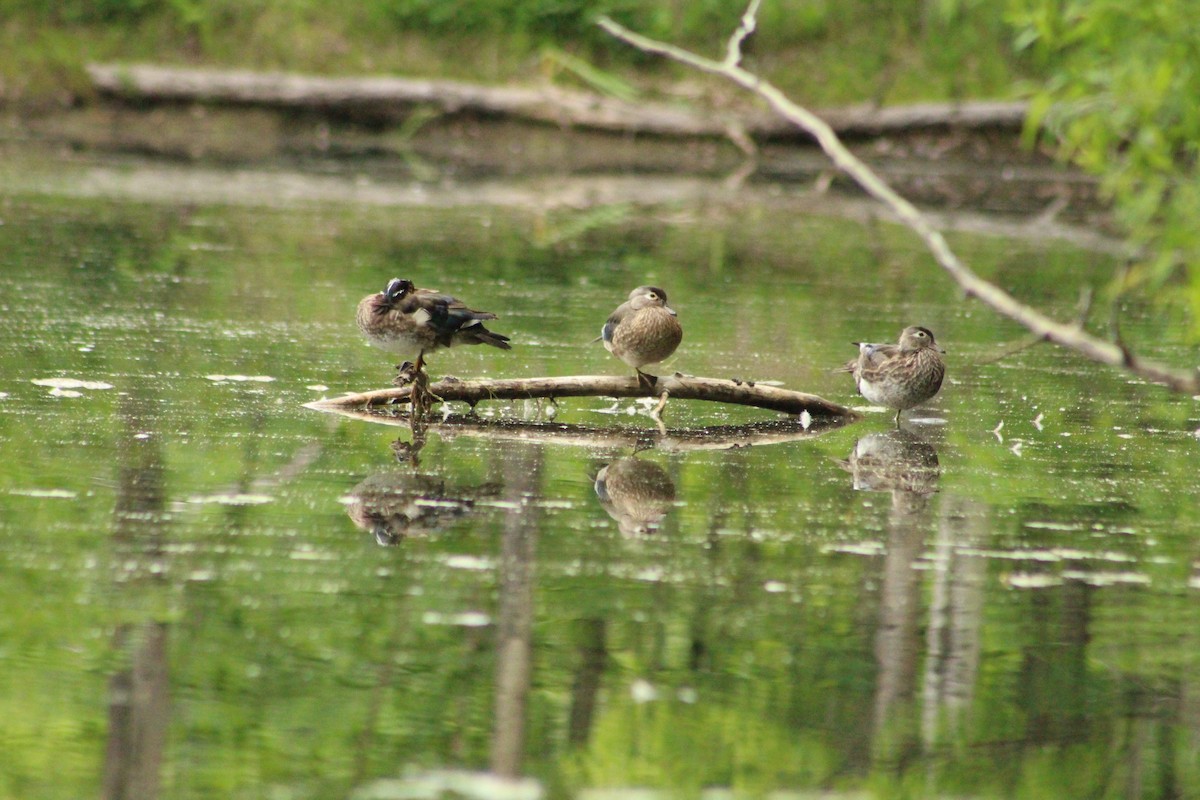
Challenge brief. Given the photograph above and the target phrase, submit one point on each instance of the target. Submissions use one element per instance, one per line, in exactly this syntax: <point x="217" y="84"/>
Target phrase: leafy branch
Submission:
<point x="1071" y="335"/>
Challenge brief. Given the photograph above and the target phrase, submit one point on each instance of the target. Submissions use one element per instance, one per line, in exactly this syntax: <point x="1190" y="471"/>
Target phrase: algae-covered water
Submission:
<point x="209" y="590"/>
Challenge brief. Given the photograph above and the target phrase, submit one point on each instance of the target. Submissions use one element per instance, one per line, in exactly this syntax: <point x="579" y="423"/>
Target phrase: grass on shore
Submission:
<point x="823" y="52"/>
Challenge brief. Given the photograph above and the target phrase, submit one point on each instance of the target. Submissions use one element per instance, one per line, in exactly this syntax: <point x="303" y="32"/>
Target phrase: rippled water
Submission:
<point x="211" y="590"/>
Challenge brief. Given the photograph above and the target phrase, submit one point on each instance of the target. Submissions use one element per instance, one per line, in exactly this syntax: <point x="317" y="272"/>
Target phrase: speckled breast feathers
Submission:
<point x="644" y="329"/>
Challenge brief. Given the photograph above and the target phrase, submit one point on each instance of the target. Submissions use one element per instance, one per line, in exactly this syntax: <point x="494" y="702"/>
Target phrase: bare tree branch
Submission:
<point x="733" y="53"/>
<point x="1072" y="336"/>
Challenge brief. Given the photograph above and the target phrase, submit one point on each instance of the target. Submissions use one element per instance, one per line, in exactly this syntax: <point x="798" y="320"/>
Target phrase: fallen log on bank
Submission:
<point x="677" y="387"/>
<point x="543" y="104"/>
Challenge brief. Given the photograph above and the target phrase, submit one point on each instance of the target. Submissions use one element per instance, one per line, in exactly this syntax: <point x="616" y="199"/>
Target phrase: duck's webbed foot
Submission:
<point x="406" y="373"/>
<point x="646" y="380"/>
<point x="419" y="394"/>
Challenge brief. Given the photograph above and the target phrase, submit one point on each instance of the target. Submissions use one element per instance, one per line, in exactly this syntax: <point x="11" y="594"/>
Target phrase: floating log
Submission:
<point x="544" y="104"/>
<point x="677" y="387"/>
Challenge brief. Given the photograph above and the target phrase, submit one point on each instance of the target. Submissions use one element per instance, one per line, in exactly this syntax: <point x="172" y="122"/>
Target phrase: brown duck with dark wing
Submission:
<point x="412" y="322"/>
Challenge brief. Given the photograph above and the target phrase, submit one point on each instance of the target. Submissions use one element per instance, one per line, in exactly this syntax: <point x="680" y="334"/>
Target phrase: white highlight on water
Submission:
<point x="240" y="378"/>
<point x="65" y="384"/>
<point x="232" y="499"/>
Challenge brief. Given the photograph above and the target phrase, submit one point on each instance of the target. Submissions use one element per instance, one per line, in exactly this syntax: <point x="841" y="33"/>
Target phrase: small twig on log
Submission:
<point x="678" y="386"/>
<point x="1039" y="324"/>
<point x="712" y="437"/>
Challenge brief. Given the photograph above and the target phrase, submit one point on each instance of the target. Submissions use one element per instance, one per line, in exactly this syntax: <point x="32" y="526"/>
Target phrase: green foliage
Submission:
<point x="86" y="11"/>
<point x="825" y="52"/>
<point x="549" y="18"/>
<point x="597" y="79"/>
<point x="1121" y="102"/>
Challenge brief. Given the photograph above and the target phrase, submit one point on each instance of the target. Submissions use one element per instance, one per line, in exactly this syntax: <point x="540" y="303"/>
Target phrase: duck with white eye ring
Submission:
<point x="642" y="331"/>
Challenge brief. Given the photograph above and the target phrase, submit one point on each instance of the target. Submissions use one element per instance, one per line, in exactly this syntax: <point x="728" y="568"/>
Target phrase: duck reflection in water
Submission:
<point x="896" y="460"/>
<point x="903" y="464"/>
<point x="395" y="505"/>
<point x="636" y="493"/>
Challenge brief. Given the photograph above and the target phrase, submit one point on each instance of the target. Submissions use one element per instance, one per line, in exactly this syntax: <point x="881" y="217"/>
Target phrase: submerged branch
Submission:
<point x="1072" y="336"/>
<point x="678" y="387"/>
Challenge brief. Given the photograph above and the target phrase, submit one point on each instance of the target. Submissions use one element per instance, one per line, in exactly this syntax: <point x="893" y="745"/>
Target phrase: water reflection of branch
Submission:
<point x="193" y="184"/>
<point x="712" y="437"/>
<point x="1068" y="335"/>
<point x="677" y="387"/>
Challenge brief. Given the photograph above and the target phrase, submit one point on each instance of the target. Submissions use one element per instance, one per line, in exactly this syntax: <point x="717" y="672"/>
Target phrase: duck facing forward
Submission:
<point x="643" y="330"/>
<point x="901" y="375"/>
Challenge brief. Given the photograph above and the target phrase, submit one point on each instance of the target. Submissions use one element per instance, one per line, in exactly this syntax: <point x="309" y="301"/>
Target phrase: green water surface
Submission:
<point x="209" y="590"/>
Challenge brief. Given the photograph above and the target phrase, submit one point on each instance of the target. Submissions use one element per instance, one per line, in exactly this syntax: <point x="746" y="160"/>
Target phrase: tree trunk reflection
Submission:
<point x="514" y="626"/>
<point x="897" y="642"/>
<point x="593" y="657"/>
<point x="138" y="706"/>
<point x="955" y="618"/>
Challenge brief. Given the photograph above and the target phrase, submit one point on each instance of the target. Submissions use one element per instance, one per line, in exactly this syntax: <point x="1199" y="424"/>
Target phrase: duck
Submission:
<point x="642" y="331"/>
<point x="902" y="375"/>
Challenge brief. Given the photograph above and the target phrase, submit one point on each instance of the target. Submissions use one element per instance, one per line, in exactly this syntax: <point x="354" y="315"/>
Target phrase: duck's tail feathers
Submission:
<point x="483" y="336"/>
